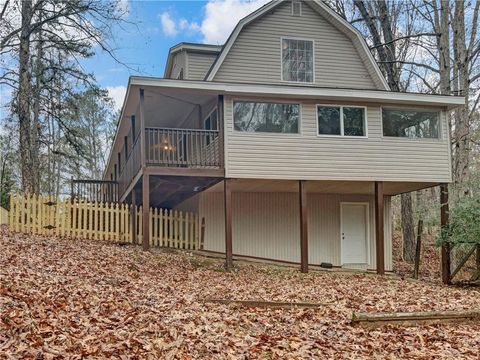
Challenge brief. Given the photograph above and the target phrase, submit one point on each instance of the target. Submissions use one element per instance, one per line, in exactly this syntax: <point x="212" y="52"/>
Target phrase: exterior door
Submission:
<point x="354" y="233"/>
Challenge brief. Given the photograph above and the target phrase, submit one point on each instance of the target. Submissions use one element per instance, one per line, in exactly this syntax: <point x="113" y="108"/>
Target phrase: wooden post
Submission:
<point x="302" y="192"/>
<point x="220" y="126"/>
<point x="132" y="124"/>
<point x="142" y="130"/>
<point x="202" y="235"/>
<point x="133" y="216"/>
<point x="228" y="224"/>
<point x="119" y="160"/>
<point x="146" y="210"/>
<point x="443" y="223"/>
<point x="379" y="227"/>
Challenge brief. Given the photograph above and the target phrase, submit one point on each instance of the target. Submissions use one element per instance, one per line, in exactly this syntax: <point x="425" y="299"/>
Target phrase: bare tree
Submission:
<point x="68" y="27"/>
<point x="391" y="49"/>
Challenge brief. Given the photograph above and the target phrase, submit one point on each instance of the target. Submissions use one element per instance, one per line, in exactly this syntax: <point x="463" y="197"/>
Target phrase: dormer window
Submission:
<point x="297" y="60"/>
<point x="296" y="8"/>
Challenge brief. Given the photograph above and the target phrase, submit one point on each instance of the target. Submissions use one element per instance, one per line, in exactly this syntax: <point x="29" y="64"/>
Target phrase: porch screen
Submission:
<point x="411" y="123"/>
<point x="266" y="117"/>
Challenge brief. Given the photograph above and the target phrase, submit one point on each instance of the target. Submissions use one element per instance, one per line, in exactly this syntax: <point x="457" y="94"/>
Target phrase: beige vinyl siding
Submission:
<point x="266" y="225"/>
<point x="199" y="64"/>
<point x="308" y="156"/>
<point x="255" y="57"/>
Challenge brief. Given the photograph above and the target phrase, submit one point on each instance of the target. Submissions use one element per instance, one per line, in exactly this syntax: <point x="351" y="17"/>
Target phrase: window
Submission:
<point x="266" y="117"/>
<point x="297" y="60"/>
<point x="411" y="123"/>
<point x="211" y="122"/>
<point x="296" y="8"/>
<point x="341" y="120"/>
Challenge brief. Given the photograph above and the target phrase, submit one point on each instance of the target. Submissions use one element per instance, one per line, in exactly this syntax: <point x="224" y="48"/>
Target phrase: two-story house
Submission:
<point x="286" y="140"/>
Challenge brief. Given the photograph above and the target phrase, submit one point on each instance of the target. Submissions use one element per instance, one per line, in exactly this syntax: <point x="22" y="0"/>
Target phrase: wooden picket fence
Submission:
<point x="42" y="215"/>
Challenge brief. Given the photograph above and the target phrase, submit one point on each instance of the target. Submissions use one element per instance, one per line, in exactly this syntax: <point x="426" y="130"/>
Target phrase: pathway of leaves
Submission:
<point x="60" y="297"/>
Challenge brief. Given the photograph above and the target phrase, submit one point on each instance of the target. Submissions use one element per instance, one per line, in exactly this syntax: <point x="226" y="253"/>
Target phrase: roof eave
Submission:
<point x="304" y="92"/>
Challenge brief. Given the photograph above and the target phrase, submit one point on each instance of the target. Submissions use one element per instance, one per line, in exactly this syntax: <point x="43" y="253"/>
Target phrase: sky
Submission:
<point x="152" y="27"/>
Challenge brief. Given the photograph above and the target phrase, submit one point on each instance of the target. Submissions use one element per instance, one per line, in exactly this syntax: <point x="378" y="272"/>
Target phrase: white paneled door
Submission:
<point x="354" y="233"/>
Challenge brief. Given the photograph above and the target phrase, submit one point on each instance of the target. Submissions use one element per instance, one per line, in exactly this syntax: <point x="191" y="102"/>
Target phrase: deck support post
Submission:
<point x="228" y="224"/>
<point x="302" y="192"/>
<point x="133" y="217"/>
<point x="146" y="210"/>
<point x="379" y="228"/>
<point x="221" y="127"/>
<point x="443" y="223"/>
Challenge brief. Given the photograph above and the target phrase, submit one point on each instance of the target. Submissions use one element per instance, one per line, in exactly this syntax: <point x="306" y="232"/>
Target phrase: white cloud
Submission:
<point x="221" y="16"/>
<point x="185" y="25"/>
<point x="219" y="19"/>
<point x="117" y="93"/>
<point x="169" y="26"/>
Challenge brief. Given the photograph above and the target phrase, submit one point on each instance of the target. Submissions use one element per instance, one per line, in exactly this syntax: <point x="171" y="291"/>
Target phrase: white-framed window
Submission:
<point x="296" y="8"/>
<point x="266" y="117"/>
<point x="411" y="123"/>
<point x="297" y="60"/>
<point x="341" y="120"/>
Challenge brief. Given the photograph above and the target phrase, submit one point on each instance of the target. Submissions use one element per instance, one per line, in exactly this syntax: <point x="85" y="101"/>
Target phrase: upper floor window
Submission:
<point x="411" y="123"/>
<point x="341" y="120"/>
<point x="297" y="60"/>
<point x="266" y="117"/>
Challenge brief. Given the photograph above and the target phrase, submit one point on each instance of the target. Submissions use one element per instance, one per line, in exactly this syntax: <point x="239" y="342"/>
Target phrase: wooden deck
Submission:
<point x="171" y="152"/>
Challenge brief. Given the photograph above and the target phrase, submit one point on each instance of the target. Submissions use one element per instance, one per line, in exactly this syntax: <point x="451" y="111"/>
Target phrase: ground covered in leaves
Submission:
<point x="63" y="298"/>
<point x="430" y="261"/>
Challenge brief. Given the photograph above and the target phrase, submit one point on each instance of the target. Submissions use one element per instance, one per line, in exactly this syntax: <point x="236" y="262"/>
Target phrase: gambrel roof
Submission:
<point x="331" y="16"/>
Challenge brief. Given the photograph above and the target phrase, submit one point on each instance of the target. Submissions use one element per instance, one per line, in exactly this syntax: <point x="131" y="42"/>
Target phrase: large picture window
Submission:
<point x="341" y="120"/>
<point x="411" y="123"/>
<point x="297" y="60"/>
<point x="266" y="117"/>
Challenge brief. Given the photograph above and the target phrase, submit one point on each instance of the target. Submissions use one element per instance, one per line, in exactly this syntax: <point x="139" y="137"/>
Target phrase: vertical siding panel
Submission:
<point x="266" y="225"/>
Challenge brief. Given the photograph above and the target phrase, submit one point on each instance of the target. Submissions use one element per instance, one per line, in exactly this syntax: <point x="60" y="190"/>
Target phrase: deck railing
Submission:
<point x="131" y="167"/>
<point x="167" y="147"/>
<point x="94" y="190"/>
<point x="183" y="148"/>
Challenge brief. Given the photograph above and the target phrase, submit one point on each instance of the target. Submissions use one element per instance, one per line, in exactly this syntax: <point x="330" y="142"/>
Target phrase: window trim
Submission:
<point x="341" y="106"/>
<point x="301" y="10"/>
<point x="312" y="83"/>
<point x="261" y="133"/>
<point x="440" y="112"/>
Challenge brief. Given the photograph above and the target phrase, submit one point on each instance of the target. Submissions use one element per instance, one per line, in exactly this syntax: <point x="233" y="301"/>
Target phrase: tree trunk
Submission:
<point x="26" y="164"/>
<point x="461" y="80"/>
<point x="35" y="129"/>
<point x="407" y="225"/>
